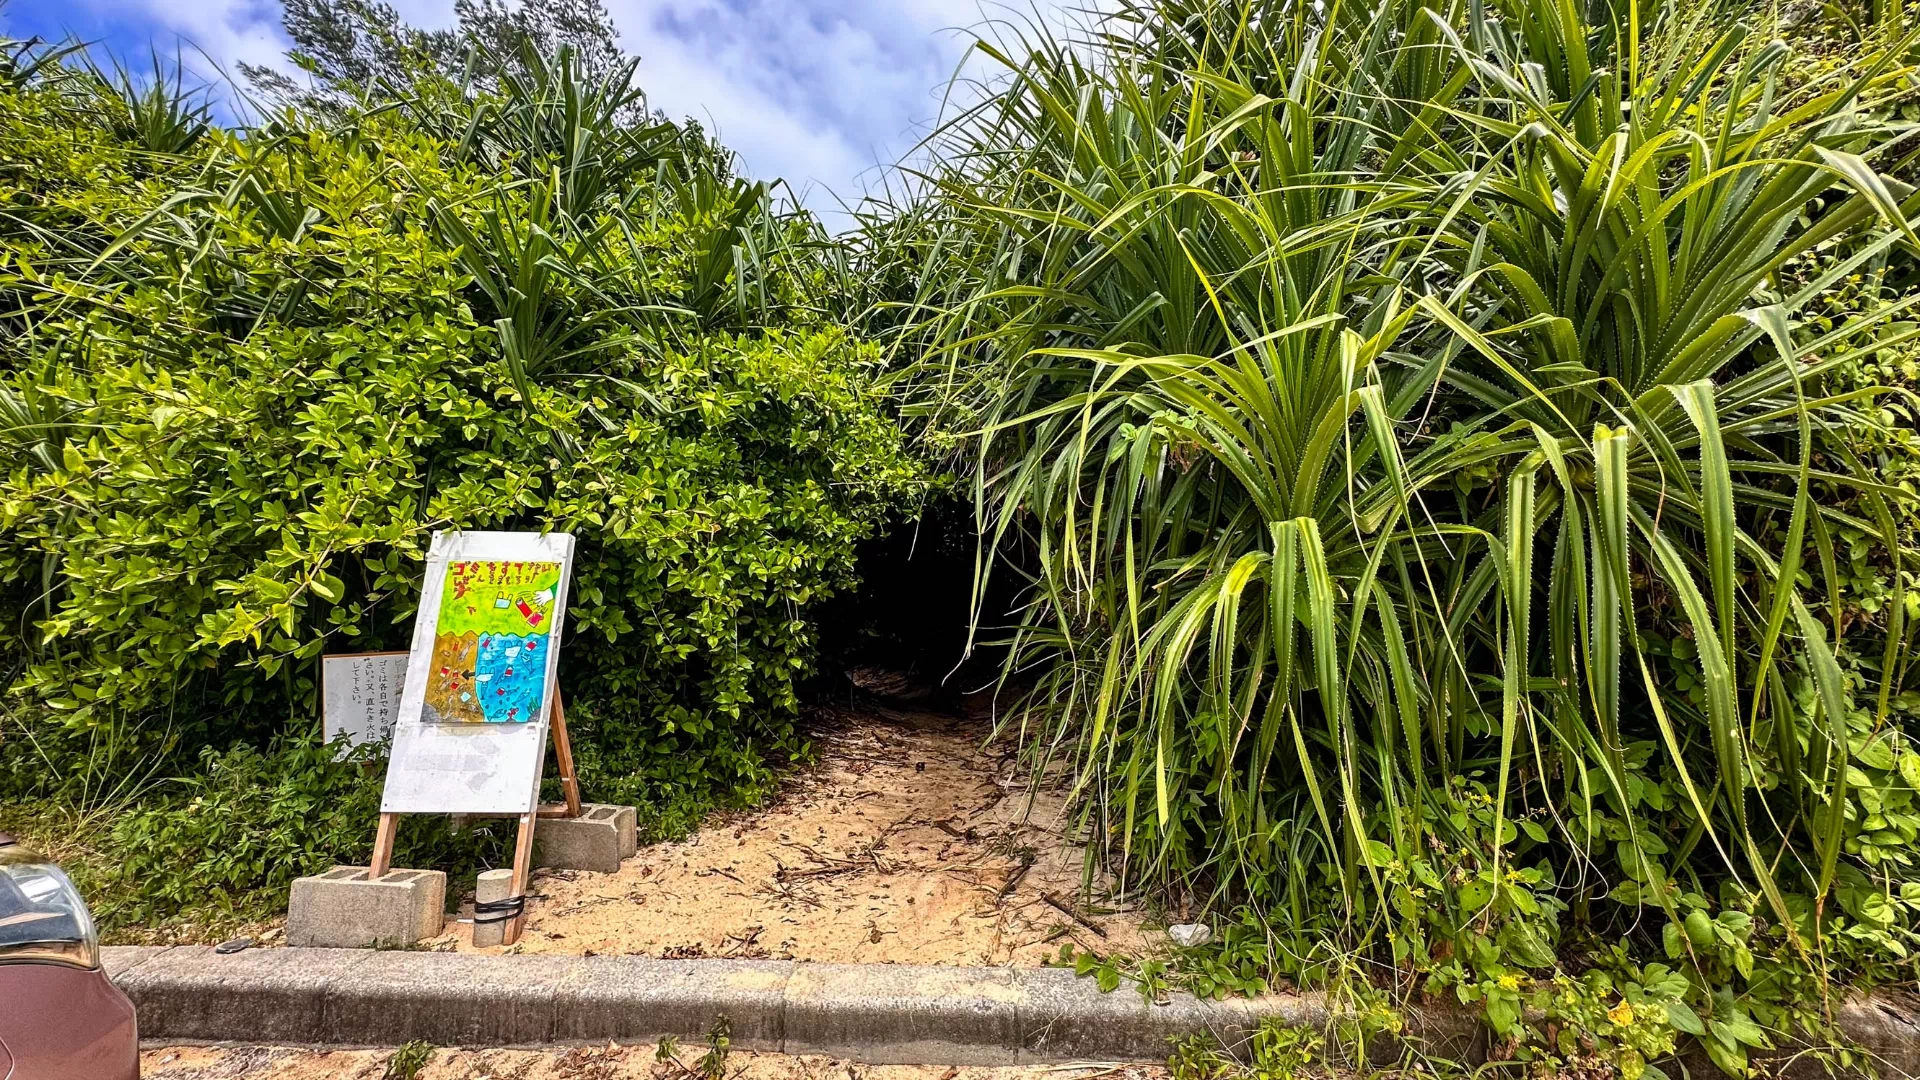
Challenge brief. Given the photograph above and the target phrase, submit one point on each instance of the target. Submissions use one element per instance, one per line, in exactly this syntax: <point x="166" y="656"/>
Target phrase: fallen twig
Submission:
<point x="1054" y="902"/>
<point x="744" y="941"/>
<point x="1013" y="880"/>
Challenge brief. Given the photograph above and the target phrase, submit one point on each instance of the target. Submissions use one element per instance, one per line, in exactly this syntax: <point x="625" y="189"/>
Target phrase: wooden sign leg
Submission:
<point x="563" y="746"/>
<point x="522" y="875"/>
<point x="383" y="846"/>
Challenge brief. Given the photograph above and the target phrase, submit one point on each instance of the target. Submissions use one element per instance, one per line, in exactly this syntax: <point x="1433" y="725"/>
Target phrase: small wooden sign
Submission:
<point x="360" y="695"/>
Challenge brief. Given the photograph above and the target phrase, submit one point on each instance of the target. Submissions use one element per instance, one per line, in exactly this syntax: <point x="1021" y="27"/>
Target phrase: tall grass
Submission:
<point x="1362" y="384"/>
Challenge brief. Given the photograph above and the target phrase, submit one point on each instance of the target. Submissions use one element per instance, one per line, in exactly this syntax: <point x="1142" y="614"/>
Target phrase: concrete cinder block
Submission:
<point x="343" y="909"/>
<point x="597" y="840"/>
<point x="899" y="1014"/>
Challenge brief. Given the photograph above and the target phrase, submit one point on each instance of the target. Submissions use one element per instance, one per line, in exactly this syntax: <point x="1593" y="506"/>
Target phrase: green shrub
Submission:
<point x="244" y="385"/>
<point x="1275" y="1051"/>
<point x="408" y="1060"/>
<point x="221" y="846"/>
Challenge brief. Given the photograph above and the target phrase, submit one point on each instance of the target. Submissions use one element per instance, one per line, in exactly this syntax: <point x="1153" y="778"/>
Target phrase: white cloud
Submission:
<point x="822" y="93"/>
<point x="819" y="98"/>
<point x="227" y="31"/>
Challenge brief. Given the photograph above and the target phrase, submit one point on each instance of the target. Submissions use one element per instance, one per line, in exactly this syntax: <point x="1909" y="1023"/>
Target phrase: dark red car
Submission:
<point x="60" y="1019"/>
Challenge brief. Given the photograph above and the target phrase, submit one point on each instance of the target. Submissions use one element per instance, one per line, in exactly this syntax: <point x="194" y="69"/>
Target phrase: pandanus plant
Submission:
<point x="566" y="262"/>
<point x="1172" y="337"/>
<point x="1234" y="300"/>
<point x="1623" y="226"/>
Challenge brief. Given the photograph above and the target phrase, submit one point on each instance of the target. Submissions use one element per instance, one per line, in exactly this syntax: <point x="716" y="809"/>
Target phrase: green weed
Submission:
<point x="1276" y="1051"/>
<point x="406" y="1062"/>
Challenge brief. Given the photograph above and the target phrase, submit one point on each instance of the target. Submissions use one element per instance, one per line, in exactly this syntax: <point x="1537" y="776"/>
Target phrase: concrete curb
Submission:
<point x="879" y="1014"/>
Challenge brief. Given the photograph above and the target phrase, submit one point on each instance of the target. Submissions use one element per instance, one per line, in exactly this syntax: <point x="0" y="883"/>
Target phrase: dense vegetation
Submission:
<point x="1463" y="452"/>
<point x="247" y="374"/>
<point x="1457" y="459"/>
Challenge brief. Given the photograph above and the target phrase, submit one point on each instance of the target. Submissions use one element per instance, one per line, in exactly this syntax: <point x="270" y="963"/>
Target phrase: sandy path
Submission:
<point x="908" y="843"/>
<point x="577" y="1063"/>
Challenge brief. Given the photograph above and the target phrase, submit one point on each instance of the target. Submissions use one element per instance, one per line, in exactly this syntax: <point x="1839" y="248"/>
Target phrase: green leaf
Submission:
<point x="328" y="587"/>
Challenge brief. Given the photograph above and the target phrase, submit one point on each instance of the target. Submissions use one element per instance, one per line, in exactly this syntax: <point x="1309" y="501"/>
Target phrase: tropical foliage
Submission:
<point x="1457" y="455"/>
<point x="245" y="375"/>
<point x="1429" y="467"/>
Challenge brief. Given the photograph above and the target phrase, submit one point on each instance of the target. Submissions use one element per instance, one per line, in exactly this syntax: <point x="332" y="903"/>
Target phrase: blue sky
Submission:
<point x="818" y="92"/>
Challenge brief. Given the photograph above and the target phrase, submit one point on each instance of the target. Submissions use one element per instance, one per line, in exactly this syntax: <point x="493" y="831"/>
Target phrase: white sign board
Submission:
<point x="471" y="734"/>
<point x="360" y="695"/>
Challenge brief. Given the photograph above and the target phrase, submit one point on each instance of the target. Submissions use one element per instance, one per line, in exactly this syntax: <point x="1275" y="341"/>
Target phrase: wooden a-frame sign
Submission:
<point x="482" y="692"/>
<point x="389" y="826"/>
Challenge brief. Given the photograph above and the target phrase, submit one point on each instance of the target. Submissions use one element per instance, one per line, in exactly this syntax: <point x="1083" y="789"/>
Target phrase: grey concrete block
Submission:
<point x="1064" y="1017"/>
<point x="342" y="909"/>
<point x="626" y="821"/>
<point x="899" y="1014"/>
<point x="448" y="999"/>
<point x="597" y="840"/>
<point x="260" y="995"/>
<point x="633" y="999"/>
<point x="1886" y="1026"/>
<point x="1441" y="1029"/>
<point x="1884" y="1029"/>
<point x="879" y="1014"/>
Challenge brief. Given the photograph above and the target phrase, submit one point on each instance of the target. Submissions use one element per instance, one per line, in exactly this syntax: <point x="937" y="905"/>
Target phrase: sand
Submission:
<point x="576" y="1063"/>
<point x="909" y="842"/>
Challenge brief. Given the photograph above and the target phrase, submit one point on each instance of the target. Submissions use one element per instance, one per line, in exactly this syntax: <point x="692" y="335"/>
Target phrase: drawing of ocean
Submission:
<point x="510" y="677"/>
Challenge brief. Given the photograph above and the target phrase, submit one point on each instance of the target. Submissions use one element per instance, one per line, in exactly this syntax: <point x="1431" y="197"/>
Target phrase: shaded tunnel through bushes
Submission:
<point x="907" y="619"/>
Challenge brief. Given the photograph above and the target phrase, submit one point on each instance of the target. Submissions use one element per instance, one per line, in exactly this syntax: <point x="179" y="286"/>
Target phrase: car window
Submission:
<point x="37" y="904"/>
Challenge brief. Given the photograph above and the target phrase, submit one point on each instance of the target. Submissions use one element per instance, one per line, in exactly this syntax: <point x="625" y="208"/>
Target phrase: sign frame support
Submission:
<point x="389" y="826"/>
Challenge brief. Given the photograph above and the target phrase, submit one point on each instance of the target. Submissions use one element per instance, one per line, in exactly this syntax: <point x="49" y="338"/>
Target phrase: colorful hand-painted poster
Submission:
<point x="490" y="643"/>
<point x="471" y="731"/>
